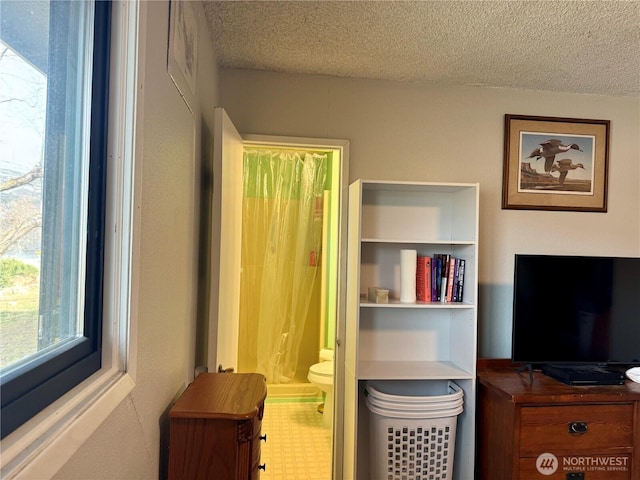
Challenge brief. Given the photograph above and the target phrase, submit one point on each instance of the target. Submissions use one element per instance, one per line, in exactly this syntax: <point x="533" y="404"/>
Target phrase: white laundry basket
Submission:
<point x="413" y="429"/>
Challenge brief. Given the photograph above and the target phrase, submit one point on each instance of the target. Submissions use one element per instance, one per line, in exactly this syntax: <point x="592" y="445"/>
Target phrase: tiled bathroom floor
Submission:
<point x="298" y="446"/>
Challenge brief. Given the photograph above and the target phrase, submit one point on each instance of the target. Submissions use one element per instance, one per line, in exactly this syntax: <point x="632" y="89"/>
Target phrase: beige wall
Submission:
<point x="128" y="444"/>
<point x="406" y="131"/>
<point x="397" y="131"/>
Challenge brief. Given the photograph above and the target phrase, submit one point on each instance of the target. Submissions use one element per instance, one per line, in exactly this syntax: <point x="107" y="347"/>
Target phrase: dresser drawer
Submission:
<point x="255" y="451"/>
<point x="592" y="467"/>
<point x="573" y="429"/>
<point x="256" y="444"/>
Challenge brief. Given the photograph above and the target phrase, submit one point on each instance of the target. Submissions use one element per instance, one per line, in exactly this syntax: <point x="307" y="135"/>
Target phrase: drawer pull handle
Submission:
<point x="263" y="467"/>
<point x="263" y="438"/>
<point x="577" y="428"/>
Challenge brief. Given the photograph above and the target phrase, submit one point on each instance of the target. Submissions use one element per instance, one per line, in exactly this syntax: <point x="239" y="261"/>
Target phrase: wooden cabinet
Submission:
<point x="215" y="428"/>
<point x="417" y="342"/>
<point x="551" y="430"/>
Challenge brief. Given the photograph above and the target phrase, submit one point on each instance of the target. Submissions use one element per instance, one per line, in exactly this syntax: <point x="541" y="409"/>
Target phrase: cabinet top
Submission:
<point x="235" y="396"/>
<point x="515" y="388"/>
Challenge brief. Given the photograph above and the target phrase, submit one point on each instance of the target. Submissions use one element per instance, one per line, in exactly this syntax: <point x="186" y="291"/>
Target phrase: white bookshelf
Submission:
<point x="422" y="341"/>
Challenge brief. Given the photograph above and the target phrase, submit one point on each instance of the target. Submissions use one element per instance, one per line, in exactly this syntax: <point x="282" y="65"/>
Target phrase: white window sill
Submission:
<point x="44" y="444"/>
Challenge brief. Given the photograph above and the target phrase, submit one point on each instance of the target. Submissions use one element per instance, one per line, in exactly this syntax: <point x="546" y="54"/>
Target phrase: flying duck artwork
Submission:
<point x="564" y="156"/>
<point x="563" y="166"/>
<point x="549" y="149"/>
<point x="572" y="175"/>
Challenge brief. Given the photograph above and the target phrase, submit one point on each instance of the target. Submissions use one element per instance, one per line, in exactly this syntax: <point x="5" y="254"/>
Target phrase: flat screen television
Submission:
<point x="576" y="310"/>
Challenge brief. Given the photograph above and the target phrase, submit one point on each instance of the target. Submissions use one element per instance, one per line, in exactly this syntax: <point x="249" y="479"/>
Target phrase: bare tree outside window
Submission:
<point x="22" y="126"/>
<point x="54" y="99"/>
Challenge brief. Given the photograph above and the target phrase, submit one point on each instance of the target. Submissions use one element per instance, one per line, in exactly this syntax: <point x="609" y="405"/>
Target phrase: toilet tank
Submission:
<point x="326" y="355"/>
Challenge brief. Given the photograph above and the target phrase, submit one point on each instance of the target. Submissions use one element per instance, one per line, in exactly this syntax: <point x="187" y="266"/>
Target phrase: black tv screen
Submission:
<point x="576" y="310"/>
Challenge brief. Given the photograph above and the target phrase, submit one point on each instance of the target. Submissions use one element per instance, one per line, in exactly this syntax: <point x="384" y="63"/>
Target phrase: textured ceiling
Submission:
<point x="582" y="46"/>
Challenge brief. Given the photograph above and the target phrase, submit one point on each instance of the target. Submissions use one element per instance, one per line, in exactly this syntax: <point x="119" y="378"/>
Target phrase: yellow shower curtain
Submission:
<point x="281" y="248"/>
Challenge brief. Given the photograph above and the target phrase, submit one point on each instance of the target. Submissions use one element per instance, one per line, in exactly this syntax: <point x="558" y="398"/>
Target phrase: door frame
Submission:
<point x="227" y="181"/>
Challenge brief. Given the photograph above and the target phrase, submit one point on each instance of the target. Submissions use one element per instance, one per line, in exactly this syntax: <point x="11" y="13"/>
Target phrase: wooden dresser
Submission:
<point x="215" y="428"/>
<point x="549" y="430"/>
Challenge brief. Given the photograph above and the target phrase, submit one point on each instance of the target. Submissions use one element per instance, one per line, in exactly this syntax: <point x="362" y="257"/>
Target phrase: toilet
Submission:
<point x="321" y="375"/>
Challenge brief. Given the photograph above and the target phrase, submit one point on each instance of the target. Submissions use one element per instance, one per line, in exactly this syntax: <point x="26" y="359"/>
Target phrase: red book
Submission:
<point x="423" y="279"/>
<point x="451" y="275"/>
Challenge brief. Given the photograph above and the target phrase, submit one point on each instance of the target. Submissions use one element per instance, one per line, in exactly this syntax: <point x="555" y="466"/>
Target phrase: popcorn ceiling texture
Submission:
<point x="590" y="47"/>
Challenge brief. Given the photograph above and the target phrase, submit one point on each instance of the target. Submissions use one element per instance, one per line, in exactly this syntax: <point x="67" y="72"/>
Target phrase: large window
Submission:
<point x="54" y="65"/>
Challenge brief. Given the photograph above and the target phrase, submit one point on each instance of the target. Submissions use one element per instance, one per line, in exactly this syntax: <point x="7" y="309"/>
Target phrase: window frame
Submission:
<point x="28" y="389"/>
<point x="43" y="444"/>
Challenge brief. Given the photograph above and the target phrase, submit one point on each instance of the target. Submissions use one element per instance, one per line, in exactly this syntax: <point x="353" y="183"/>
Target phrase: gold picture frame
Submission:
<point x="553" y="163"/>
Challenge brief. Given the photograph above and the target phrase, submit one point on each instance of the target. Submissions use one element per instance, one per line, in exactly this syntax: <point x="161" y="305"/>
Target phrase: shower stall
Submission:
<point x="284" y="273"/>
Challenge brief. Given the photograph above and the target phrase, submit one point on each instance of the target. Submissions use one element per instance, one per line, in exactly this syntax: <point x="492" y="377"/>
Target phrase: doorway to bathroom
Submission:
<point x="281" y="217"/>
<point x="287" y="280"/>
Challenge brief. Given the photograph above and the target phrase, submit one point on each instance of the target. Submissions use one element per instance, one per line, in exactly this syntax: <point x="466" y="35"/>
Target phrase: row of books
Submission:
<point x="439" y="278"/>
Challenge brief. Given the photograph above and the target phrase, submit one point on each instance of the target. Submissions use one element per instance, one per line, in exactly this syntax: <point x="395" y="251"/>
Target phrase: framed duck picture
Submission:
<point x="553" y="163"/>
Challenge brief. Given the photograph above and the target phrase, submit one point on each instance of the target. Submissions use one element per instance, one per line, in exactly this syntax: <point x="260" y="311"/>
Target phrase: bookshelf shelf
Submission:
<point x="395" y="303"/>
<point x="418" y="242"/>
<point x="376" y="370"/>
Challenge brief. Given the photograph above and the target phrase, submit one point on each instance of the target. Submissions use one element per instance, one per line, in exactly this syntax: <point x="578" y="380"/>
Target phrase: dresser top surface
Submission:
<point x="235" y="396"/>
<point x="515" y="387"/>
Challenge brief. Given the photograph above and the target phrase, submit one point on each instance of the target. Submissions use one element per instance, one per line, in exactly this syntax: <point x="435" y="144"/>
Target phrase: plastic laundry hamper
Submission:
<point x="413" y="429"/>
